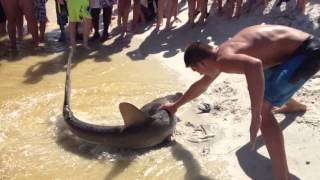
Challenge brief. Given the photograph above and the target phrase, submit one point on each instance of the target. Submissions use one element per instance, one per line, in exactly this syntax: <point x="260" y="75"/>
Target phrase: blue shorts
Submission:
<point x="282" y="81"/>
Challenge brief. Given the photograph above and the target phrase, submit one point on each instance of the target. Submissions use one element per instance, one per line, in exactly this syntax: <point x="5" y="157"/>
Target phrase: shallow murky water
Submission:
<point x="35" y="143"/>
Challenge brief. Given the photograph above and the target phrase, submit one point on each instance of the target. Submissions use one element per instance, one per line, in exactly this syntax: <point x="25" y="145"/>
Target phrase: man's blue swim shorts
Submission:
<point x="282" y="81"/>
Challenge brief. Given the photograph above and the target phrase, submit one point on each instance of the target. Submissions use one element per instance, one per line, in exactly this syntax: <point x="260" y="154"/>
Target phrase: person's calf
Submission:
<point x="2" y="29"/>
<point x="238" y="4"/>
<point x="42" y="29"/>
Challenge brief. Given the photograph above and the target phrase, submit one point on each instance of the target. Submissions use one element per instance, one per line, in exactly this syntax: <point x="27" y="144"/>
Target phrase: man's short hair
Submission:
<point x="196" y="52"/>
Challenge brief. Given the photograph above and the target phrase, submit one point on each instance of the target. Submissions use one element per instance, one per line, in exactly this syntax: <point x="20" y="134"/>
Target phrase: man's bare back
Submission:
<point x="282" y="42"/>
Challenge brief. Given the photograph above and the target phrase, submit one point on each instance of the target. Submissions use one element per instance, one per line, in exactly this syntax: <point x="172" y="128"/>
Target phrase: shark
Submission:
<point x="142" y="128"/>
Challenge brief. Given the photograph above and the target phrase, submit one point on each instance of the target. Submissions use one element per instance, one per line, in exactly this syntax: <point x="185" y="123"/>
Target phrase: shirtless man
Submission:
<point x="11" y="9"/>
<point x="276" y="61"/>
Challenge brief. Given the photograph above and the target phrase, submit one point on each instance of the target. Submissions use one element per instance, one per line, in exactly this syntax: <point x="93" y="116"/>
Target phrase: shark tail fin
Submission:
<point x="68" y="80"/>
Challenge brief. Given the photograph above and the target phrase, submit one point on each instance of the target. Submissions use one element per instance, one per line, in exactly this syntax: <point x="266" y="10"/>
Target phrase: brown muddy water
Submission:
<point x="33" y="143"/>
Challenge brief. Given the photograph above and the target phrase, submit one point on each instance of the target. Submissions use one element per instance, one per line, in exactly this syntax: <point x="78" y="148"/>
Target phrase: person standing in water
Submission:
<point x="41" y="14"/>
<point x="62" y="18"/>
<point x="79" y="11"/>
<point x="11" y="9"/>
<point x="124" y="7"/>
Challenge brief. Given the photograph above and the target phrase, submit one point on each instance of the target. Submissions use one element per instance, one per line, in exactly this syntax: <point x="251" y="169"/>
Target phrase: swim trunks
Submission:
<point x="41" y="12"/>
<point x="62" y="13"/>
<point x="282" y="81"/>
<point x="78" y="9"/>
<point x="3" y="17"/>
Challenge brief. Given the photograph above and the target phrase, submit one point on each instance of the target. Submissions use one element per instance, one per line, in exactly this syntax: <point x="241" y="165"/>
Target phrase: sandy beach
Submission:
<point x="222" y="135"/>
<point x="209" y="145"/>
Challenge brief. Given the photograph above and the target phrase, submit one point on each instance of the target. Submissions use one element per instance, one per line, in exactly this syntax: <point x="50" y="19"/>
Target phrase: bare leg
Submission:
<point x="3" y="29"/>
<point x="238" y="4"/>
<point x="95" y="14"/>
<point x="291" y="106"/>
<point x="120" y="12"/>
<point x="20" y="25"/>
<point x="203" y="10"/>
<point x="170" y="11"/>
<point x="86" y="31"/>
<point x="10" y="8"/>
<point x="42" y="29"/>
<point x="3" y="22"/>
<point x="137" y="14"/>
<point x="301" y="4"/>
<point x="72" y="31"/>
<point x="175" y="12"/>
<point x="126" y="11"/>
<point x="28" y="10"/>
<point x="230" y="6"/>
<point x="107" y="14"/>
<point x="220" y="9"/>
<point x="191" y="11"/>
<point x="273" y="137"/>
<point x="160" y="13"/>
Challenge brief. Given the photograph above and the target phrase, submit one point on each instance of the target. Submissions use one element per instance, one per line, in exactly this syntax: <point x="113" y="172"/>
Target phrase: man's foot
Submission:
<point x="291" y="106"/>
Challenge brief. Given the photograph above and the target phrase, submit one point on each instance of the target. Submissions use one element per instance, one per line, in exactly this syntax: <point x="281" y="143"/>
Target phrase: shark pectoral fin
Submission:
<point x="131" y="114"/>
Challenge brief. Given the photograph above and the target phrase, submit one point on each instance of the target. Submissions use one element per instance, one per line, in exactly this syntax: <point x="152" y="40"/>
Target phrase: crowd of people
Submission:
<point x="87" y="12"/>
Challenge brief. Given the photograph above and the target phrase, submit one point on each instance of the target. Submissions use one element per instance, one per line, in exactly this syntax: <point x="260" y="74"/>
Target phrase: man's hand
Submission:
<point x="254" y="128"/>
<point x="171" y="107"/>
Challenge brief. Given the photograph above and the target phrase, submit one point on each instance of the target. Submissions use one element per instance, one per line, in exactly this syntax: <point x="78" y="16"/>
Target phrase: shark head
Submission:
<point x="132" y="115"/>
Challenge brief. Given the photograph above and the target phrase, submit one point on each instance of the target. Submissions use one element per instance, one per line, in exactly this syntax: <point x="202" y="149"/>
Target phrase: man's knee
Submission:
<point x="267" y="116"/>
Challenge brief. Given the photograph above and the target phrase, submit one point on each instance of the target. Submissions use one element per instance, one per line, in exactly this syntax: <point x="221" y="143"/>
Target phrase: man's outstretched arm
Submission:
<point x="195" y="90"/>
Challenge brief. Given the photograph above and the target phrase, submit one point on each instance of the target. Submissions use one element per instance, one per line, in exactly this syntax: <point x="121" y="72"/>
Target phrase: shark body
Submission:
<point x="145" y="127"/>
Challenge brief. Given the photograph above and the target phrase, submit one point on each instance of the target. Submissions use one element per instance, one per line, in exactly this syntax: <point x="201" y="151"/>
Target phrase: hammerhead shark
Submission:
<point x="143" y="128"/>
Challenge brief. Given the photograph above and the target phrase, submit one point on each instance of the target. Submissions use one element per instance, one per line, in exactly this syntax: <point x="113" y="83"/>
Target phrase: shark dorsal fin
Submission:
<point x="131" y="114"/>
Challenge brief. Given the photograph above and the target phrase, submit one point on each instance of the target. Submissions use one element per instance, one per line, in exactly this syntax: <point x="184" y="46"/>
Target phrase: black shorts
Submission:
<point x="3" y="17"/>
<point x="62" y="13"/>
<point x="310" y="48"/>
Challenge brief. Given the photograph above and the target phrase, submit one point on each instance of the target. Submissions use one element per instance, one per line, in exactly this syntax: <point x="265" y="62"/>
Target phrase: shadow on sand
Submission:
<point x="255" y="165"/>
<point x="122" y="158"/>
